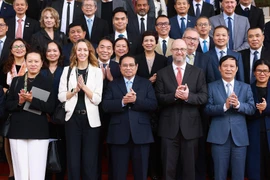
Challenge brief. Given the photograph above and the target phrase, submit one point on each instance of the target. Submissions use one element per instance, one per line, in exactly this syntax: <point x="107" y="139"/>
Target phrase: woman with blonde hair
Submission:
<point x="81" y="89"/>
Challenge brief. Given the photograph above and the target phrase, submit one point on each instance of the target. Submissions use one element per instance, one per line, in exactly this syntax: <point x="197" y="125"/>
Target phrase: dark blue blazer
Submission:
<point x="254" y="133"/>
<point x="115" y="71"/>
<point x="215" y="63"/>
<point x="7" y="11"/>
<point x="132" y="120"/>
<point x="212" y="45"/>
<point x="175" y="32"/>
<point x="66" y="53"/>
<point x="5" y="50"/>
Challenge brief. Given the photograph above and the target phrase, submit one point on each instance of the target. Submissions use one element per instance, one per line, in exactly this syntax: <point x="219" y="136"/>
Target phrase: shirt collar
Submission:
<point x="124" y="33"/>
<point x="182" y="16"/>
<point x="226" y="16"/>
<point x="100" y="62"/>
<point x="132" y="79"/>
<point x="183" y="67"/>
<point x="207" y="39"/>
<point x="225" y="82"/>
<point x="23" y="18"/>
<point x="161" y="39"/>
<point x="243" y="7"/>
<point x="218" y="50"/>
<point x="253" y="50"/>
<point x="195" y="2"/>
<point x="139" y="17"/>
<point x="92" y="18"/>
<point x="3" y="39"/>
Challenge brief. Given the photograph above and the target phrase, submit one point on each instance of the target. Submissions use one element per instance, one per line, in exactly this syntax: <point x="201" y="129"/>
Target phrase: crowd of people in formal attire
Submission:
<point x="179" y="88"/>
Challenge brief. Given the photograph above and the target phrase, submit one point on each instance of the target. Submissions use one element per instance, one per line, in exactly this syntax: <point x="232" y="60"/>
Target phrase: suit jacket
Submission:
<point x="175" y="31"/>
<point x="133" y="120"/>
<point x="7" y="11"/>
<point x="94" y="83"/>
<point x="131" y="12"/>
<point x="212" y="45"/>
<point x="265" y="54"/>
<point x="100" y="29"/>
<point x="267" y="35"/>
<point x="215" y="63"/>
<point x="232" y="121"/>
<point x="255" y="18"/>
<point x="134" y="26"/>
<point x="176" y="114"/>
<point x="31" y="26"/>
<point x="240" y="28"/>
<point x="115" y="4"/>
<point x="66" y="53"/>
<point x="25" y="124"/>
<point x="115" y="71"/>
<point x="207" y="10"/>
<point x="168" y="52"/>
<point x="159" y="63"/>
<point x="5" y="50"/>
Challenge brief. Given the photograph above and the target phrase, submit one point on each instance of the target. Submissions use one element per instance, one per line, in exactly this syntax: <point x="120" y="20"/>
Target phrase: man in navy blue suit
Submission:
<point x="182" y="20"/>
<point x="229" y="101"/>
<point x="129" y="99"/>
<point x="7" y="10"/>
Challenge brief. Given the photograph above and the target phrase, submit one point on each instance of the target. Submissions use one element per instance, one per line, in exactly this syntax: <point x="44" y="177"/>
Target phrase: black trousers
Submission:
<point x="82" y="148"/>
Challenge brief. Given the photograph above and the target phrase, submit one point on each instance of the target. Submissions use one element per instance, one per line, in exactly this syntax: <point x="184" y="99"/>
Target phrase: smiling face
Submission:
<point x="82" y="52"/>
<point x="228" y="70"/>
<point x="49" y="20"/>
<point x="221" y="38"/>
<point x="149" y="43"/>
<point x="142" y="7"/>
<point x="3" y="28"/>
<point x="163" y="26"/>
<point x="120" y="48"/>
<point x="179" y="52"/>
<point x="191" y="38"/>
<point x="120" y="21"/>
<point x="89" y="8"/>
<point x="128" y="67"/>
<point x="228" y="6"/>
<point x="203" y="26"/>
<point x="262" y="73"/>
<point x="20" y="7"/>
<point x="18" y="49"/>
<point x="53" y="52"/>
<point x="255" y="38"/>
<point x="33" y="63"/>
<point x="76" y="33"/>
<point x="181" y="7"/>
<point x="104" y="50"/>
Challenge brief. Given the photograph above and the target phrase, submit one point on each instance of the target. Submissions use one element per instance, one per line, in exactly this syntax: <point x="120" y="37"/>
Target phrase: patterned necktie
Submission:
<point x="19" y="29"/>
<point x="221" y="54"/>
<point x="164" y="47"/>
<point x="183" y="26"/>
<point x="205" y="49"/>
<point x="231" y="33"/>
<point x="179" y="76"/>
<point x="142" y="25"/>
<point x="228" y="91"/>
<point x="68" y="17"/>
<point x="89" y="25"/>
<point x="198" y="12"/>
<point x="191" y="59"/>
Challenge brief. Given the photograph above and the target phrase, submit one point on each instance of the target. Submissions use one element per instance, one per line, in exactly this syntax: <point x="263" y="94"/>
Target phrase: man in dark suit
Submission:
<point x="129" y="100"/>
<point x="4" y="41"/>
<point x="254" y="14"/>
<point x="120" y="21"/>
<point x="21" y="25"/>
<point x="255" y="52"/>
<point x="7" y="10"/>
<point x="130" y="8"/>
<point x="229" y="101"/>
<point x="221" y="38"/>
<point x="142" y="21"/>
<point x="182" y="20"/>
<point x="67" y="17"/>
<point x="200" y="8"/>
<point x="203" y="27"/>
<point x="96" y="28"/>
<point x="180" y="89"/>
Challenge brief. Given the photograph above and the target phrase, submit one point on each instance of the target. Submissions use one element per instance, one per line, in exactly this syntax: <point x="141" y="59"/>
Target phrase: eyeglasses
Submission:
<point x="17" y="47"/>
<point x="128" y="65"/>
<point x="181" y="49"/>
<point x="259" y="71"/>
<point x="191" y="38"/>
<point x="2" y="25"/>
<point x="160" y="24"/>
<point x="89" y="5"/>
<point x="203" y="24"/>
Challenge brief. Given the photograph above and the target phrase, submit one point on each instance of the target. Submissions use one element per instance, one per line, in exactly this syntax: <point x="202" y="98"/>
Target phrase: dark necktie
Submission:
<point x="120" y="35"/>
<point x="104" y="65"/>
<point x="164" y="47"/>
<point x="255" y="58"/>
<point x="142" y="25"/>
<point x="68" y="17"/>
<point x="246" y="12"/>
<point x="221" y="54"/>
<point x="1" y="47"/>
<point x="231" y="33"/>
<point x="183" y="26"/>
<point x="198" y="12"/>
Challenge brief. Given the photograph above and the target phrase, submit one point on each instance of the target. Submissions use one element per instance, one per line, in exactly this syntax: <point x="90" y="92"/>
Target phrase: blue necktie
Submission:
<point x="204" y="46"/>
<point x="164" y="47"/>
<point x="89" y="25"/>
<point x="120" y="35"/>
<point x="255" y="58"/>
<point x="231" y="33"/>
<point x="198" y="12"/>
<point x="183" y="26"/>
<point x="129" y="85"/>
<point x="221" y="54"/>
<point x="228" y="91"/>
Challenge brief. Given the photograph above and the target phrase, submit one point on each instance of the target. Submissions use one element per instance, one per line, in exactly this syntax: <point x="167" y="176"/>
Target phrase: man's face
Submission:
<point x="228" y="70"/>
<point x="104" y="50"/>
<point x="192" y="40"/>
<point x="76" y="33"/>
<point x="179" y="51"/>
<point x="128" y="67"/>
<point x="181" y="7"/>
<point x="20" y="7"/>
<point x="89" y="8"/>
<point x="120" y="21"/>
<point x="3" y="28"/>
<point x="255" y="38"/>
<point x="245" y="2"/>
<point x="163" y="26"/>
<point x="203" y="26"/>
<point x="228" y="6"/>
<point x="142" y="7"/>
<point x="221" y="38"/>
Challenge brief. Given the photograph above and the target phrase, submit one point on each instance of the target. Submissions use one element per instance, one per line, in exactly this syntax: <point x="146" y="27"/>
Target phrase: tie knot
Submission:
<point x="246" y="9"/>
<point x="1" y="41"/>
<point x="20" y="20"/>
<point x="228" y="84"/>
<point x="204" y="41"/>
<point x="182" y="18"/>
<point x="164" y="41"/>
<point x="229" y="18"/>
<point x="221" y="52"/>
<point x="255" y="52"/>
<point x="120" y="35"/>
<point x="104" y="65"/>
<point x="191" y="56"/>
<point x="89" y="20"/>
<point x="197" y="5"/>
<point x="178" y="68"/>
<point x="142" y="19"/>
<point x="68" y="3"/>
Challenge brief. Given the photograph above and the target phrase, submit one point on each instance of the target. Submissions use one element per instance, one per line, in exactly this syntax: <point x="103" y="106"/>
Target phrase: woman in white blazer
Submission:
<point x="82" y="94"/>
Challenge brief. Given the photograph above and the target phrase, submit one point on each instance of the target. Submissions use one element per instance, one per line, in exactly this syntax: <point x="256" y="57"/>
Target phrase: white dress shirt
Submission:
<point x="64" y="15"/>
<point x="23" y="24"/>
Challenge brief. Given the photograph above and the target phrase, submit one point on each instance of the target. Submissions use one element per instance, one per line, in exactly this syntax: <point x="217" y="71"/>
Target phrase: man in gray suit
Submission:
<point x="229" y="101"/>
<point x="237" y="25"/>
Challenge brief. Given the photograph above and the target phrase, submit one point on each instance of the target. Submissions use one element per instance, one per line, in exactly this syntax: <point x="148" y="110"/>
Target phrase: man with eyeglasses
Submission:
<point x="129" y="100"/>
<point x="4" y="41"/>
<point x="181" y="90"/>
<point x="200" y="8"/>
<point x="254" y="53"/>
<point x="203" y="27"/>
<point x="163" y="28"/>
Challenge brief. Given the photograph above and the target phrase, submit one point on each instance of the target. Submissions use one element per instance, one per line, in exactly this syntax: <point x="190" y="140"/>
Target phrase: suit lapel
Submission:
<point x="158" y="48"/>
<point x="172" y="75"/>
<point x="186" y="74"/>
<point x="237" y="88"/>
<point x="221" y="89"/>
<point x="122" y="86"/>
<point x="235" y="26"/>
<point x="221" y="20"/>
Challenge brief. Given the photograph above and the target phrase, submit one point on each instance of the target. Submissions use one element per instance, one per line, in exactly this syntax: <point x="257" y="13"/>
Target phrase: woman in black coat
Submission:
<point x="29" y="133"/>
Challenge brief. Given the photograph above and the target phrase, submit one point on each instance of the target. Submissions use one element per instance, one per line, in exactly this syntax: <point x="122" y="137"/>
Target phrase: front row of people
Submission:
<point x="180" y="89"/>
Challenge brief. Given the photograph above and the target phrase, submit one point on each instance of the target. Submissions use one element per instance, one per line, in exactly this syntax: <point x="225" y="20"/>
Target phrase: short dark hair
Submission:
<point x="225" y="58"/>
<point x="107" y="38"/>
<point x="2" y="17"/>
<point x="203" y="17"/>
<point x="121" y="38"/>
<point x="119" y="9"/>
<point x="261" y="62"/>
<point x="125" y="56"/>
<point x="253" y="28"/>
<point x="150" y="33"/>
<point x="36" y="51"/>
<point x="46" y="63"/>
<point x="161" y="16"/>
<point x="176" y="1"/>
<point x="76" y="23"/>
<point x="220" y="27"/>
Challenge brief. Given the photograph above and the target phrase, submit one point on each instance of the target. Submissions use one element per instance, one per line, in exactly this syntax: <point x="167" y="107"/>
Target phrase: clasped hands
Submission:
<point x="130" y="97"/>
<point x="232" y="100"/>
<point x="261" y="106"/>
<point x="107" y="73"/>
<point x="25" y="96"/>
<point x="182" y="92"/>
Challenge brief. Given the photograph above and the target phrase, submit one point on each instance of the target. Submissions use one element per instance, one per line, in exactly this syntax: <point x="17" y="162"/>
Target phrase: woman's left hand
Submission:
<point x="27" y="96"/>
<point x="81" y="82"/>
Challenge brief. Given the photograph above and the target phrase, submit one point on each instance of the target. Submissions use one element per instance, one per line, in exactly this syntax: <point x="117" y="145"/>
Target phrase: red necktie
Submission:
<point x="19" y="29"/>
<point x="179" y="76"/>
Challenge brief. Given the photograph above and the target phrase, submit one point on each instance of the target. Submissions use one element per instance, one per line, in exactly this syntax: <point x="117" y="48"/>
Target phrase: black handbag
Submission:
<point x="60" y="112"/>
<point x="53" y="159"/>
